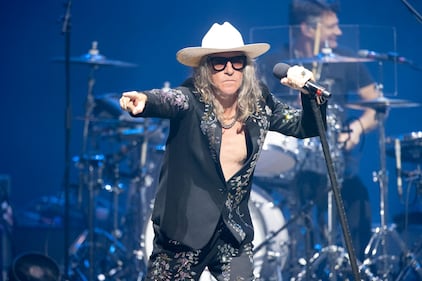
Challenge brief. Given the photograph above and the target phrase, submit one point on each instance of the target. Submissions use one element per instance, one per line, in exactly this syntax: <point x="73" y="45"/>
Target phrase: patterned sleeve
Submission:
<point x="287" y="120"/>
<point x="167" y="103"/>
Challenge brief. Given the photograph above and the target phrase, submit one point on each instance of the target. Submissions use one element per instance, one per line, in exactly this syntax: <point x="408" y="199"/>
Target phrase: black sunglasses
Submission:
<point x="220" y="63"/>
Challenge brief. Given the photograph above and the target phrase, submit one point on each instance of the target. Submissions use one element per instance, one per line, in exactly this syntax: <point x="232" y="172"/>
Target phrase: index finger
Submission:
<point x="130" y="94"/>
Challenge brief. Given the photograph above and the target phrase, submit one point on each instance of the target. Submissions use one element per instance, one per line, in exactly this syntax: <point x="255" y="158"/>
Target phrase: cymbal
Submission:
<point x="328" y="58"/>
<point x="410" y="147"/>
<point x="382" y="103"/>
<point x="96" y="60"/>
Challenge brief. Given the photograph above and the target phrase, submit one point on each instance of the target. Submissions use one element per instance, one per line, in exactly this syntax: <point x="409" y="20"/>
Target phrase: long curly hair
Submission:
<point x="249" y="92"/>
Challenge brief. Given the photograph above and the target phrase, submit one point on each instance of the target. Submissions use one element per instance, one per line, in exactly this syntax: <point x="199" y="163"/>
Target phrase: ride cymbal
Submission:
<point x="328" y="58"/>
<point x="94" y="58"/>
<point x="382" y="103"/>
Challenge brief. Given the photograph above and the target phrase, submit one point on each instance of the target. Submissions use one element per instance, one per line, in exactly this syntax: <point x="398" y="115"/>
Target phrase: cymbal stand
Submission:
<point x="89" y="106"/>
<point x="143" y="168"/>
<point x="139" y="207"/>
<point x="68" y="129"/>
<point x="116" y="190"/>
<point x="90" y="103"/>
<point x="93" y="180"/>
<point x="376" y="252"/>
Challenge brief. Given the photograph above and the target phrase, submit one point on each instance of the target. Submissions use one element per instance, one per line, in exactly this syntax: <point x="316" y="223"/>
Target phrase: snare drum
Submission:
<point x="266" y="218"/>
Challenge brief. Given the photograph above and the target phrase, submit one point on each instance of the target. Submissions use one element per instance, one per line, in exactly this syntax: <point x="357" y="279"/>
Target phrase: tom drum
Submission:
<point x="279" y="157"/>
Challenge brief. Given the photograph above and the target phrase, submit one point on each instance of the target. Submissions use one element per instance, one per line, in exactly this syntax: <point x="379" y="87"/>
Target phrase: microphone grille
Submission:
<point x="280" y="70"/>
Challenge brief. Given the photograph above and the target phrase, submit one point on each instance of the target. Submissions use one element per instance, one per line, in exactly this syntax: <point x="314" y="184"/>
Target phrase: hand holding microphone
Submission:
<point x="299" y="78"/>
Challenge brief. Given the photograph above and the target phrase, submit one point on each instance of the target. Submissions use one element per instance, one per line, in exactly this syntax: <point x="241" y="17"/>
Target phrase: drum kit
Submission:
<point x="120" y="161"/>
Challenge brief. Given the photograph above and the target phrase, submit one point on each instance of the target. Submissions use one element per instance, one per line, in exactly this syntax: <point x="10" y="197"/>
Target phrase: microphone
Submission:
<point x="280" y="71"/>
<point x="390" y="56"/>
<point x="397" y="150"/>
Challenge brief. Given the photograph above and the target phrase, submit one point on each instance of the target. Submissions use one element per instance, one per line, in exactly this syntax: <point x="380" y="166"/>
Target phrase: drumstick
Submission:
<point x="316" y="49"/>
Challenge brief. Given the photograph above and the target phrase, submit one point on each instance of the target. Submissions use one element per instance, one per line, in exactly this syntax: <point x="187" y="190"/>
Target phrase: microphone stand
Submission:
<point x="412" y="10"/>
<point x="68" y="118"/>
<point x="335" y="187"/>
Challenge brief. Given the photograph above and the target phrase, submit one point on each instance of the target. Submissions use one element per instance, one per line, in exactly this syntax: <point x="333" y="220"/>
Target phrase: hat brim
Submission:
<point x="191" y="56"/>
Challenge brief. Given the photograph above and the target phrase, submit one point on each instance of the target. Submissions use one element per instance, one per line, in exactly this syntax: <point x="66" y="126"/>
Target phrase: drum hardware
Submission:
<point x="411" y="269"/>
<point x="90" y="169"/>
<point x="303" y="213"/>
<point x="97" y="254"/>
<point x="332" y="263"/>
<point x="141" y="188"/>
<point x="94" y="166"/>
<point x="93" y="59"/>
<point x="110" y="261"/>
<point x="377" y="255"/>
<point x="116" y="189"/>
<point x="410" y="146"/>
<point x="101" y="267"/>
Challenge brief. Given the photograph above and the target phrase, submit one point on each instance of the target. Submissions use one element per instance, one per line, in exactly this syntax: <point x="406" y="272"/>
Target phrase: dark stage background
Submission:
<point x="148" y="33"/>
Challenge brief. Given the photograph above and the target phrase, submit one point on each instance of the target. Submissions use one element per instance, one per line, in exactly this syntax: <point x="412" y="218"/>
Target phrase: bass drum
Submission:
<point x="267" y="218"/>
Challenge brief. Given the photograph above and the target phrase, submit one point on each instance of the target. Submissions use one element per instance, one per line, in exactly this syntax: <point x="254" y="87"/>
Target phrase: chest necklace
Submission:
<point x="230" y="125"/>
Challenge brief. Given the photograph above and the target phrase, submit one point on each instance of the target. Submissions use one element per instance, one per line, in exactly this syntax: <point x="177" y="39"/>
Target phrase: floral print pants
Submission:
<point x="221" y="257"/>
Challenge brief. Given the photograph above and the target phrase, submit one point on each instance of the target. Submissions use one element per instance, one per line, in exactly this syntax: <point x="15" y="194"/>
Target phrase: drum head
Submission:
<point x="279" y="156"/>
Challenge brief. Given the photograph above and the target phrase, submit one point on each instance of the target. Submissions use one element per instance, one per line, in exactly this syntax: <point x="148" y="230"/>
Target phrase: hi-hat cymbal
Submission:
<point x="96" y="60"/>
<point x="328" y="58"/>
<point x="382" y="103"/>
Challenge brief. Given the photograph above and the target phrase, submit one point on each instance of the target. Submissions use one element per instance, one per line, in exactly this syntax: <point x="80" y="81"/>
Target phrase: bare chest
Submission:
<point x="233" y="150"/>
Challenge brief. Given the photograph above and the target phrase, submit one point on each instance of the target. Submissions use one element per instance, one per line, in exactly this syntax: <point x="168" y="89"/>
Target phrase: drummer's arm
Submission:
<point x="368" y="119"/>
<point x="366" y="122"/>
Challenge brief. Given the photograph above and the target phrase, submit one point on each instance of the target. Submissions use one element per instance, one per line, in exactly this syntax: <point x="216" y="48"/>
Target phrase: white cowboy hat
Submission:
<point x="220" y="38"/>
